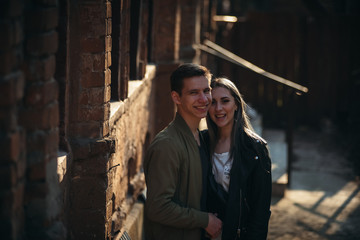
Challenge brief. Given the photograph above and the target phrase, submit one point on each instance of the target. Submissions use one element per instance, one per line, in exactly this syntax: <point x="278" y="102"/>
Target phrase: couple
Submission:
<point x="213" y="184"/>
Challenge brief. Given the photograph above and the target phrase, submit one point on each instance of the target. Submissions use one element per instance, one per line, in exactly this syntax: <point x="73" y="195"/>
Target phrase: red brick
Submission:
<point x="107" y="77"/>
<point x="40" y="69"/>
<point x="21" y="160"/>
<point x="105" y="129"/>
<point x="11" y="8"/>
<point x="108" y="10"/>
<point x="107" y="111"/>
<point x="88" y="222"/>
<point x="45" y="142"/>
<point x="94" y="113"/>
<point x="99" y="62"/>
<point x="11" y="34"/>
<point x="42" y="44"/>
<point x="108" y="43"/>
<point x="92" y="11"/>
<point x="89" y="129"/>
<point x="85" y="188"/>
<point x="36" y="172"/>
<point x="84" y="97"/>
<point x="18" y="193"/>
<point x="10" y="146"/>
<point x="93" y="165"/>
<point x="8" y="118"/>
<point x="10" y="60"/>
<point x="87" y="62"/>
<point x="15" y="145"/>
<point x="45" y="118"/>
<point x="96" y="96"/>
<point x="8" y="176"/>
<point x="103" y="146"/>
<point x="47" y="3"/>
<point x="42" y="19"/>
<point x="108" y="58"/>
<point x="6" y="40"/>
<point x="93" y="62"/>
<point x="107" y="93"/>
<point x="92" y="19"/>
<point x="93" y="29"/>
<point x="93" y="79"/>
<point x="108" y="26"/>
<point x="6" y="202"/>
<point x="35" y="190"/>
<point x="41" y="93"/>
<point x="11" y="88"/>
<point x="81" y="149"/>
<point x="93" y="45"/>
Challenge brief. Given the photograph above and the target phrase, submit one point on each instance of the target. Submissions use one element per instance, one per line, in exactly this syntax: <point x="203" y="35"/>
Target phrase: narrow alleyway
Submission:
<point x="323" y="200"/>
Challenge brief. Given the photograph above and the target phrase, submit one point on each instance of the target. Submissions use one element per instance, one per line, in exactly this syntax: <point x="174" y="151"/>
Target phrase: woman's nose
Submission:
<point x="218" y="107"/>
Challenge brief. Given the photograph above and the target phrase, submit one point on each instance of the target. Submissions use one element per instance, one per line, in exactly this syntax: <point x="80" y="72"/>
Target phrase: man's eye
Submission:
<point x="206" y="90"/>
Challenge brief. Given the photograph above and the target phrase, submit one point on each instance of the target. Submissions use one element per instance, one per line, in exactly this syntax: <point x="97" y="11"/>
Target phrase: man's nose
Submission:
<point x="203" y="97"/>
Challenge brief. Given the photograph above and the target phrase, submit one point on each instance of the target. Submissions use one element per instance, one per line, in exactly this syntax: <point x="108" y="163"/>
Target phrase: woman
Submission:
<point x="240" y="180"/>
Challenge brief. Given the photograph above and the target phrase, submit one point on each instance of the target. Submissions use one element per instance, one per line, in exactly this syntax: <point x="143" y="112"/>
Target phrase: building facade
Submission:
<point x="84" y="87"/>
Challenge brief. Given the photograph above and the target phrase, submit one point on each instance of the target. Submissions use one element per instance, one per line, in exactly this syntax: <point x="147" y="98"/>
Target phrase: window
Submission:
<point x="129" y="51"/>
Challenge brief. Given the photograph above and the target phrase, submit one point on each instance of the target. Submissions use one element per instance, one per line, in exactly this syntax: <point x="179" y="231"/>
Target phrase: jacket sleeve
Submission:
<point x="162" y="166"/>
<point x="260" y="198"/>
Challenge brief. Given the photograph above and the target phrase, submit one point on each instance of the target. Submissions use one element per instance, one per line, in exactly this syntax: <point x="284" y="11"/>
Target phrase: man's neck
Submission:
<point x="193" y="123"/>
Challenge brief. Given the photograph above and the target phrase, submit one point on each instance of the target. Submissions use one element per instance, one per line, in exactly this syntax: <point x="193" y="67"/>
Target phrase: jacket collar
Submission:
<point x="182" y="126"/>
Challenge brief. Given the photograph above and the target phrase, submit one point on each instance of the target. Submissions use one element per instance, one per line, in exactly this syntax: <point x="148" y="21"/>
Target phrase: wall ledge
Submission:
<point x="118" y="108"/>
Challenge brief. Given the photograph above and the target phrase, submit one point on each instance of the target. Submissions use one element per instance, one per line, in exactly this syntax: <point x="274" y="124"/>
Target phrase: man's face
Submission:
<point x="195" y="98"/>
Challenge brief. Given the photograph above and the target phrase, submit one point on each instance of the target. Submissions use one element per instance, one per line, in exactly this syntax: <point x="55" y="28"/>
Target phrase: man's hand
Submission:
<point x="214" y="226"/>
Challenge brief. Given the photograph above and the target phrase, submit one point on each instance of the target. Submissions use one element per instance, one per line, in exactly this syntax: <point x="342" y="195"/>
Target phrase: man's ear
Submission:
<point x="175" y="97"/>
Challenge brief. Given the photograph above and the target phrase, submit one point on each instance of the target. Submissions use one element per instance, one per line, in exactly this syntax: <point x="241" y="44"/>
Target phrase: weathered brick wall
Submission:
<point x="89" y="109"/>
<point x="56" y="80"/>
<point x="12" y="135"/>
<point x="30" y="128"/>
<point x="131" y="127"/>
<point x="39" y="116"/>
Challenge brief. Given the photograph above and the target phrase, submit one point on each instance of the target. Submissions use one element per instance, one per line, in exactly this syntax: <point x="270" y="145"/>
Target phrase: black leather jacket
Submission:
<point x="246" y="210"/>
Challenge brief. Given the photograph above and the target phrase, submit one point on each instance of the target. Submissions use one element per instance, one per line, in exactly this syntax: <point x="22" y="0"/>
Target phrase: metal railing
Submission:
<point x="214" y="49"/>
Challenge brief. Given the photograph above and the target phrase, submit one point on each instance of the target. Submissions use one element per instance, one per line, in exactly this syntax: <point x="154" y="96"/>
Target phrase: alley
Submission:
<point x="323" y="200"/>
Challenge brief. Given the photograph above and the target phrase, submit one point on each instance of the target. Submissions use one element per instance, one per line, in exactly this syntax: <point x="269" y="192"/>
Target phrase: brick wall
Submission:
<point x="12" y="135"/>
<point x="89" y="109"/>
<point x="31" y="200"/>
<point x="39" y="116"/>
<point x="71" y="168"/>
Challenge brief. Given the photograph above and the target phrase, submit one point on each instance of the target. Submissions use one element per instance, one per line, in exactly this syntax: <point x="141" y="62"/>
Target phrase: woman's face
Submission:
<point x="222" y="107"/>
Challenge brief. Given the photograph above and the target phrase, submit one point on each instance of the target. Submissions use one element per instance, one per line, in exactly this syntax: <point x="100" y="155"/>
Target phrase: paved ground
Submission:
<point x="323" y="200"/>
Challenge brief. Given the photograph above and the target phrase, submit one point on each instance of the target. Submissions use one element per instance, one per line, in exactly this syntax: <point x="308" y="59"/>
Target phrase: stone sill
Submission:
<point x="135" y="87"/>
<point x="62" y="165"/>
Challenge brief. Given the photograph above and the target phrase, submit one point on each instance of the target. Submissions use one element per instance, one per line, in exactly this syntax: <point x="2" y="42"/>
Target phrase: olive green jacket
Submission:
<point x="173" y="176"/>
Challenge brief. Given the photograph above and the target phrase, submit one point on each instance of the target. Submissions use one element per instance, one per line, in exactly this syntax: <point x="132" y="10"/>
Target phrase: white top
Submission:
<point x="221" y="168"/>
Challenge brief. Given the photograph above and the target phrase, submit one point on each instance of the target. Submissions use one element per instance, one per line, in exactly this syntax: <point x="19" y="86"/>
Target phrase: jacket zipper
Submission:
<point x="239" y="227"/>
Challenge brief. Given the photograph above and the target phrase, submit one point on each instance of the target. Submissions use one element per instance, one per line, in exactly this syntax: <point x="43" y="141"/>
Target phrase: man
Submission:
<point x="172" y="165"/>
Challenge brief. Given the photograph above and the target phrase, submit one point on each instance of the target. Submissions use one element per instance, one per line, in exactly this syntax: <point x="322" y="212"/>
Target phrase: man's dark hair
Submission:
<point x="187" y="70"/>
